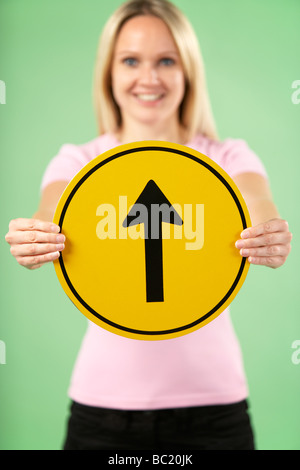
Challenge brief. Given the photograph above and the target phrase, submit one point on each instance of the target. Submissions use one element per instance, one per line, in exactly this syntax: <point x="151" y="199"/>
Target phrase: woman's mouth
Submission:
<point x="148" y="97"/>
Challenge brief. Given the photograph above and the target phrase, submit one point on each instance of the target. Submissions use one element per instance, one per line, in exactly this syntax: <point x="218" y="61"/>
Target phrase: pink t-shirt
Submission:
<point x="202" y="368"/>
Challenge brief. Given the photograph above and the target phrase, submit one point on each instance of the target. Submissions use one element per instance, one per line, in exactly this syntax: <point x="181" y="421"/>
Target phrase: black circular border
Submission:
<point x="118" y="155"/>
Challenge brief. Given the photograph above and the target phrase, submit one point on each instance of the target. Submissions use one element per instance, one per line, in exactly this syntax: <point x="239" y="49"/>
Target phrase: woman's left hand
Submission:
<point x="267" y="244"/>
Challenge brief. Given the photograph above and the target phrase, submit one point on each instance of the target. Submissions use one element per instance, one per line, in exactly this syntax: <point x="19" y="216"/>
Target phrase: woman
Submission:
<point x="175" y="394"/>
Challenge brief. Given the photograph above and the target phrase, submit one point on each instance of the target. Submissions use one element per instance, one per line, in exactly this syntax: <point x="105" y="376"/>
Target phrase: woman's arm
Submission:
<point x="268" y="241"/>
<point x="36" y="241"/>
<point x="49" y="200"/>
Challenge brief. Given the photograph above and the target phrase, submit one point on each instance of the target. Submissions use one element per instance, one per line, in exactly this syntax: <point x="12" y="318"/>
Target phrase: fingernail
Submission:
<point x="60" y="238"/>
<point x="245" y="234"/>
<point x="245" y="252"/>
<point x="239" y="244"/>
<point x="55" y="229"/>
<point x="60" y="246"/>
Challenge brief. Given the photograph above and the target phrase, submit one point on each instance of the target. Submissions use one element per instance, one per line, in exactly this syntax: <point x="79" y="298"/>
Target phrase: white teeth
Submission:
<point x="148" y="97"/>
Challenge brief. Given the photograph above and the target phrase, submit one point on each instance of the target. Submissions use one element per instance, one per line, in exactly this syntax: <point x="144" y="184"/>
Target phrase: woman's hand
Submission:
<point x="34" y="242"/>
<point x="267" y="244"/>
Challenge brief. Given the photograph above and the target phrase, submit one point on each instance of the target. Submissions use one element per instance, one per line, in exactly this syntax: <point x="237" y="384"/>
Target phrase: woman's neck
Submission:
<point x="170" y="133"/>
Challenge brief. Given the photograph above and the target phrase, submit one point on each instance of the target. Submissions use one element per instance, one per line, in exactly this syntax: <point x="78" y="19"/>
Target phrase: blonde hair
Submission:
<point x="195" y="111"/>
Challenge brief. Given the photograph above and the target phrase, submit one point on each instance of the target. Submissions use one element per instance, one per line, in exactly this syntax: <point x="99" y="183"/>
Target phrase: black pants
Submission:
<point x="222" y="427"/>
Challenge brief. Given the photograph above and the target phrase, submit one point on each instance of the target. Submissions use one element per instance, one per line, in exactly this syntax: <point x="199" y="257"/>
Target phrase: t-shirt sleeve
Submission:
<point x="237" y="157"/>
<point x="64" y="166"/>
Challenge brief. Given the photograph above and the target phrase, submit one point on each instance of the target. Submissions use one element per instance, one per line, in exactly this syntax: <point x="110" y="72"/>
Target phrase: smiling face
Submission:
<point x="148" y="81"/>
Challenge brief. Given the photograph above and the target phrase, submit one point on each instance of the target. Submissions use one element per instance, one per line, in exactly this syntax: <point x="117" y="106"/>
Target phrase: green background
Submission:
<point x="47" y="48"/>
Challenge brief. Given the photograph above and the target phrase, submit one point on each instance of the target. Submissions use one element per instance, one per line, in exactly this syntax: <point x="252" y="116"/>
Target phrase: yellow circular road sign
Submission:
<point x="150" y="240"/>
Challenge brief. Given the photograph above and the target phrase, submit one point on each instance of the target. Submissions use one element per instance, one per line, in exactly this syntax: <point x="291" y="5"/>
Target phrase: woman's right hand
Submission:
<point x="34" y="242"/>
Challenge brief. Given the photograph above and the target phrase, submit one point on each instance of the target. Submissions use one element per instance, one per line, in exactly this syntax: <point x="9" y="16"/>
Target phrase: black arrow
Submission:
<point x="151" y="209"/>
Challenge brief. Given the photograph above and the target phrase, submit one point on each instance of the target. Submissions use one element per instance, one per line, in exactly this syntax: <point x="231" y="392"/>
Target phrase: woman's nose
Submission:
<point x="149" y="74"/>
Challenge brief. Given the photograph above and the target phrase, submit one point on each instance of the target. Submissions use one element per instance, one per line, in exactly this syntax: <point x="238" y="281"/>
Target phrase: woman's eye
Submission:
<point x="130" y="61"/>
<point x="167" y="61"/>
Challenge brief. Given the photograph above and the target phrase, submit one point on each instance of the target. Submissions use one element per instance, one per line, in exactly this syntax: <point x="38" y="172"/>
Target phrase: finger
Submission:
<point x="276" y="238"/>
<point x="270" y="261"/>
<point x="34" y="237"/>
<point x="33" y="224"/>
<point x="32" y="249"/>
<point x="33" y="262"/>
<point x="272" y="250"/>
<point x="36" y="266"/>
<point x="274" y="225"/>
